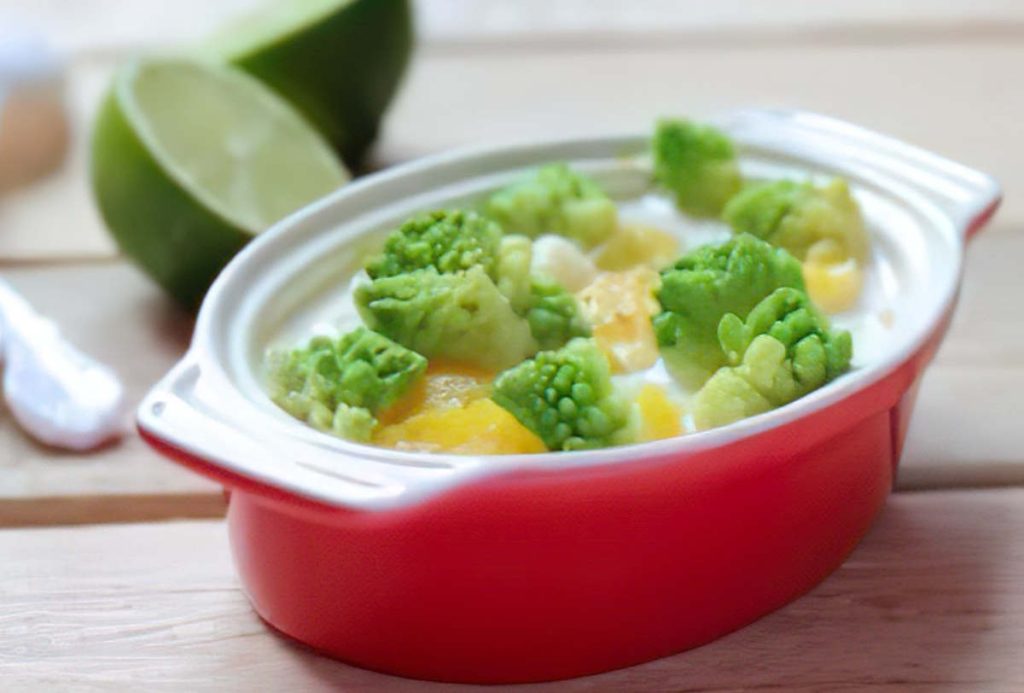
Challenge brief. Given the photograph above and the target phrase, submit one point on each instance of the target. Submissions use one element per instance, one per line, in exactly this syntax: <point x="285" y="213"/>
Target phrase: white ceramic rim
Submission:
<point x="197" y="409"/>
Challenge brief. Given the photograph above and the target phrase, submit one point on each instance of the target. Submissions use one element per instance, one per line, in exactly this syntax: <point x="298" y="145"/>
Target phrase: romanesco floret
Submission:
<point x="699" y="289"/>
<point x="553" y="314"/>
<point x="697" y="163"/>
<point x="796" y="216"/>
<point x="449" y="240"/>
<point x="339" y="384"/>
<point x="567" y="398"/>
<point x="782" y="351"/>
<point x="461" y="316"/>
<point x="515" y="255"/>
<point x="555" y="199"/>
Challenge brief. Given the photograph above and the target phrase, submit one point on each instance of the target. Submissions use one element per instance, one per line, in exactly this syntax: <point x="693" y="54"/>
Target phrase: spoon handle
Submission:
<point x="59" y="395"/>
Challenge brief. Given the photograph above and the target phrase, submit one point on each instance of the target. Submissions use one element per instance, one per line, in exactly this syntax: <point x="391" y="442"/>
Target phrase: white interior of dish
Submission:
<point x="273" y="291"/>
<point x="903" y="279"/>
<point x="894" y="292"/>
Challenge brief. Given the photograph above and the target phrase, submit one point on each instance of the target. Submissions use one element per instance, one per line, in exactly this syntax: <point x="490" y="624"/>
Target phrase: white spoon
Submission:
<point x="58" y="394"/>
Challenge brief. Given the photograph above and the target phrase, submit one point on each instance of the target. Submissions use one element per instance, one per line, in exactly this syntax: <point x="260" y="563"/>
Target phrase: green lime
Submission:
<point x="338" y="61"/>
<point x="190" y="161"/>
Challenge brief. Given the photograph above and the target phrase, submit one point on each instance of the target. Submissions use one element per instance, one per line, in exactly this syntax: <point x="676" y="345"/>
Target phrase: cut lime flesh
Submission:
<point x="238" y="148"/>
<point x="190" y="160"/>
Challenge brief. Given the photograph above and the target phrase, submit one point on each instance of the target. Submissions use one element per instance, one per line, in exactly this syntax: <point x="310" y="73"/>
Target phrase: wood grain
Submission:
<point x="930" y="601"/>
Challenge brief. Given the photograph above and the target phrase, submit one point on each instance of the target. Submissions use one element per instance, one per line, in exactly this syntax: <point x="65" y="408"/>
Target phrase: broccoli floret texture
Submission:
<point x="697" y="163"/>
<point x="447" y="240"/>
<point x="566" y="397"/>
<point x="554" y="315"/>
<point x="515" y="255"/>
<point x="782" y="351"/>
<point x="555" y="199"/>
<point x="796" y="216"/>
<point x="461" y="316"/>
<point x="706" y="284"/>
<point x="339" y="384"/>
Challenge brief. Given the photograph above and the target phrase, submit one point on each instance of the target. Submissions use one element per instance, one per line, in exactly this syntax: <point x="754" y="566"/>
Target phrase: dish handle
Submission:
<point x="969" y="197"/>
<point x="188" y="420"/>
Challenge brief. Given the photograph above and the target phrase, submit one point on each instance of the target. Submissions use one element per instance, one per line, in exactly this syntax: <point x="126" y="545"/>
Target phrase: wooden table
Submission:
<point x="933" y="597"/>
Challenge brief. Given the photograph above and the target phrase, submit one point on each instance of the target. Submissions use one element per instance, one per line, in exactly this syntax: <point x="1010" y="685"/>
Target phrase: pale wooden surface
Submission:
<point x="931" y="600"/>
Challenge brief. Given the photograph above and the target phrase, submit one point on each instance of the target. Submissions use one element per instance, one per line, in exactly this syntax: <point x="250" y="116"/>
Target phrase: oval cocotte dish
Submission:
<point x="535" y="567"/>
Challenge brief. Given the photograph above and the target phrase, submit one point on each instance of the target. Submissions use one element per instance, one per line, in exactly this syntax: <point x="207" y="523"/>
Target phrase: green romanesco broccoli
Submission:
<point x="515" y="255"/>
<point x="796" y="216"/>
<point x="449" y="240"/>
<point x="551" y="310"/>
<point x="567" y="398"/>
<point x="704" y="285"/>
<point x="338" y="385"/>
<point x="697" y="163"/>
<point x="555" y="199"/>
<point x="553" y="314"/>
<point x="461" y="316"/>
<point x="782" y="351"/>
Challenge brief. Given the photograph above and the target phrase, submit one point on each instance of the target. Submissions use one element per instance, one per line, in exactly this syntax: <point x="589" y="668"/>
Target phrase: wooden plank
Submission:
<point x="947" y="95"/>
<point x="965" y="432"/>
<point x="112" y="26"/>
<point x="931" y="600"/>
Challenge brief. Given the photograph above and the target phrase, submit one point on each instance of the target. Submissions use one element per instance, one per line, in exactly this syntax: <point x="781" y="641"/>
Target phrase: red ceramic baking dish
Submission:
<point x="528" y="568"/>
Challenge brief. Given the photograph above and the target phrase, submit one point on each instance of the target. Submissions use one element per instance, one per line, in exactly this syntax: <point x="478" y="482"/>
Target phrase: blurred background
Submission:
<point x="938" y="73"/>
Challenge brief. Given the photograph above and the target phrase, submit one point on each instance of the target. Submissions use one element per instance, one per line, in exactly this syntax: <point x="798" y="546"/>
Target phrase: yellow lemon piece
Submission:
<point x="481" y="428"/>
<point x="834" y="281"/>
<point x="446" y="385"/>
<point x="660" y="416"/>
<point x="619" y="306"/>
<point x="637" y="245"/>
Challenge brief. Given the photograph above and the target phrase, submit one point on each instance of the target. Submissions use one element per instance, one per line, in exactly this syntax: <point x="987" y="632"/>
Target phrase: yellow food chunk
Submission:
<point x="480" y="427"/>
<point x="446" y="385"/>
<point x="660" y="417"/>
<point x="834" y="281"/>
<point x="637" y="245"/>
<point x="619" y="306"/>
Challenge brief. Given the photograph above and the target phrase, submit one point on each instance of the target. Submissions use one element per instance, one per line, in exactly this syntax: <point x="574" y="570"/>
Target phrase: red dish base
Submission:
<point x="545" y="575"/>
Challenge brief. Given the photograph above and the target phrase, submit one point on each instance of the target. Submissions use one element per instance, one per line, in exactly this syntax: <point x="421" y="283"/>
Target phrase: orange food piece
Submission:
<point x="834" y="281"/>
<point x="450" y="410"/>
<point x="637" y="245"/>
<point x="619" y="306"/>
<point x="834" y="288"/>
<point x="480" y="427"/>
<point x="660" y="417"/>
<point x="446" y="385"/>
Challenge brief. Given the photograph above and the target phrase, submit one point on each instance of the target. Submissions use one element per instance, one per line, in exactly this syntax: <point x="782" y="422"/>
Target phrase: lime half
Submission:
<point x="338" y="61"/>
<point x="192" y="160"/>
